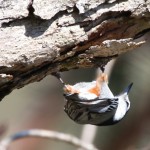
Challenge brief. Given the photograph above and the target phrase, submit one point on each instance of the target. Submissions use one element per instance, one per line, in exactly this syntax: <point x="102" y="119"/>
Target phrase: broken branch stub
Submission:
<point x="38" y="39"/>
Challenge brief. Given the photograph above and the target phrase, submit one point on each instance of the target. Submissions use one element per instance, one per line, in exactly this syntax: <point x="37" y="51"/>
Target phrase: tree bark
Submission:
<point x="40" y="37"/>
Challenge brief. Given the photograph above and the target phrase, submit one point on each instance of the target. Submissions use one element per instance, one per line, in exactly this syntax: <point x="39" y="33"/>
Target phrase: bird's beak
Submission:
<point x="127" y="90"/>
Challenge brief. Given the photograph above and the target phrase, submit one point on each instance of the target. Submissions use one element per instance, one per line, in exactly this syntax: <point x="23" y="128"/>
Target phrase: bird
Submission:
<point x="94" y="103"/>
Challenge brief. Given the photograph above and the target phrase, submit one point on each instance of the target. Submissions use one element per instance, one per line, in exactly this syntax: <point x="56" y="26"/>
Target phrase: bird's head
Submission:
<point x="124" y="96"/>
<point x="123" y="104"/>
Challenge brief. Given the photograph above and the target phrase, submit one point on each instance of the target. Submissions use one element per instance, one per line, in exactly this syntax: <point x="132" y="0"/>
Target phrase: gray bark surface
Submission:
<point x="40" y="37"/>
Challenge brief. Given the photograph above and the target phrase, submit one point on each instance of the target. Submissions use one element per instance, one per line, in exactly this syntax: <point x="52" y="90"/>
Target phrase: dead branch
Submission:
<point x="37" y="133"/>
<point x="41" y="37"/>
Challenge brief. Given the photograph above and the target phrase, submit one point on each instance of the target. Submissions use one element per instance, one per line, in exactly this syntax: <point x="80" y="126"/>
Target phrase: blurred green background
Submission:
<point x="40" y="105"/>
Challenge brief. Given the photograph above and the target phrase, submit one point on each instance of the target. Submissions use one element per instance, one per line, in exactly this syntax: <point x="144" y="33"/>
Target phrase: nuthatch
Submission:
<point x="94" y="103"/>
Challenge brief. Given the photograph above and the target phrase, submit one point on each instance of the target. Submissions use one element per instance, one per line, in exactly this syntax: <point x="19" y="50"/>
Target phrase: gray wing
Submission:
<point x="99" y="105"/>
<point x="96" y="105"/>
<point x="95" y="111"/>
<point x="94" y="114"/>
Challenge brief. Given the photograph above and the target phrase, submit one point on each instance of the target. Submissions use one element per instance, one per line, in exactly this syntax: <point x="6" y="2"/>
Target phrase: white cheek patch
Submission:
<point x="121" y="110"/>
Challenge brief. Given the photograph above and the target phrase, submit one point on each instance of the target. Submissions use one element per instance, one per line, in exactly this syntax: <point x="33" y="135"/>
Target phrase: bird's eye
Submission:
<point x="127" y="104"/>
<point x="126" y="99"/>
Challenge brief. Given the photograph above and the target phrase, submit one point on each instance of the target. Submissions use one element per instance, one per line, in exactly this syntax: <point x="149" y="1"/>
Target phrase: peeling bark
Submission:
<point x="38" y="37"/>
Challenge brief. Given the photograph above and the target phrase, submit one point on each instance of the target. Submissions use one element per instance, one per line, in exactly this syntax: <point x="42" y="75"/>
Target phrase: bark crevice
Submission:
<point x="38" y="39"/>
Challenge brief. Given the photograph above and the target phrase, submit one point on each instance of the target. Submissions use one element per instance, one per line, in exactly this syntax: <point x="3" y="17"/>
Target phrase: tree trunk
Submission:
<point x="40" y="37"/>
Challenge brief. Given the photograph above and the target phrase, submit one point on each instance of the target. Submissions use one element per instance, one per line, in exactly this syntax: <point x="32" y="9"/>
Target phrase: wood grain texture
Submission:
<point x="44" y="36"/>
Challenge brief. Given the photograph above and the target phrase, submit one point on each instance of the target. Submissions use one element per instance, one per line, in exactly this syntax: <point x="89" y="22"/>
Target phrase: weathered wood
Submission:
<point x="44" y="36"/>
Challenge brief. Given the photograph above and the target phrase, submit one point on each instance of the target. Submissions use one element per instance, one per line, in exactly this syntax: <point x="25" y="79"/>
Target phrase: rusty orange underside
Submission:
<point x="94" y="90"/>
